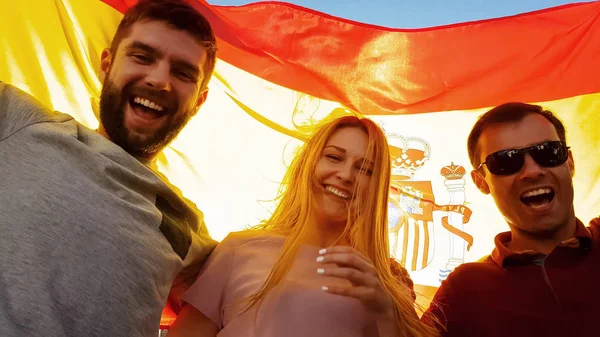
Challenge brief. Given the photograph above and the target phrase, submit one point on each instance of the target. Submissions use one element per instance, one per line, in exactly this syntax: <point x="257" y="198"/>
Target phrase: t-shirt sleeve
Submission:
<point x="19" y="109"/>
<point x="207" y="294"/>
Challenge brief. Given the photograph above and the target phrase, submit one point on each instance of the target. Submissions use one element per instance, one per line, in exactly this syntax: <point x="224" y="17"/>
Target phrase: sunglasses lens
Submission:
<point x="550" y="154"/>
<point x="505" y="162"/>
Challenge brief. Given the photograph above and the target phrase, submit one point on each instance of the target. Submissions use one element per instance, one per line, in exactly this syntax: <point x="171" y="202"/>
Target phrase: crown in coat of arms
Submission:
<point x="408" y="155"/>
<point x="453" y="172"/>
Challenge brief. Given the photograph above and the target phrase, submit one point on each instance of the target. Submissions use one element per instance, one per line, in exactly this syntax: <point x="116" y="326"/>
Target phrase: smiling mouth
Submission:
<point x="336" y="192"/>
<point x="538" y="198"/>
<point x="146" y="108"/>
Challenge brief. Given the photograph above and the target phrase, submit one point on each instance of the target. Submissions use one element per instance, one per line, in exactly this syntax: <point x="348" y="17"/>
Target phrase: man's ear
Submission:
<point x="201" y="100"/>
<point x="105" y="63"/>
<point x="480" y="182"/>
<point x="571" y="164"/>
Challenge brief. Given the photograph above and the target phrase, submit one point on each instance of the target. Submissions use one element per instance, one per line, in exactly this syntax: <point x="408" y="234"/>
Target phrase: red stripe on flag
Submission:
<point x="538" y="56"/>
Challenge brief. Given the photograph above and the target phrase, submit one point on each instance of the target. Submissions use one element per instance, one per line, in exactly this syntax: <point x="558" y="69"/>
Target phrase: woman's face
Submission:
<point x="340" y="168"/>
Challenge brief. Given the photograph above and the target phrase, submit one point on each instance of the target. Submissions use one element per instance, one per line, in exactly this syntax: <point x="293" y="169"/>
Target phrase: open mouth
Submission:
<point x="146" y="108"/>
<point x="538" y="198"/>
<point x="342" y="194"/>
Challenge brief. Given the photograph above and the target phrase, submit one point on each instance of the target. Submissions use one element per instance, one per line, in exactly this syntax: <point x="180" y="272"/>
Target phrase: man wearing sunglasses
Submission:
<point x="543" y="276"/>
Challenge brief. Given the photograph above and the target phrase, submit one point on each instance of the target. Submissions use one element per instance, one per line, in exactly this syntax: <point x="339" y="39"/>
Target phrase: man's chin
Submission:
<point x="547" y="228"/>
<point x="137" y="146"/>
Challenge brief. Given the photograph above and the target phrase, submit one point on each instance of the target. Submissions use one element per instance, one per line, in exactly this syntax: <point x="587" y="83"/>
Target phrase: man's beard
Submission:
<point x="113" y="103"/>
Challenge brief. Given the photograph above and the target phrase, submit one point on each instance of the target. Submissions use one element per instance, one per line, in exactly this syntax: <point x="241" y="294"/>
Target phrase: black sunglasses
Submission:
<point x="507" y="162"/>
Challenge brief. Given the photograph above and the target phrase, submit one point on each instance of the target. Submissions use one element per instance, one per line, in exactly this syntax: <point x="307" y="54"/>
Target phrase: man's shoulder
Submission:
<point x="19" y="109"/>
<point x="473" y="273"/>
<point x="483" y="264"/>
<point x="594" y="228"/>
<point x="462" y="289"/>
<point x="595" y="223"/>
<point x="460" y="293"/>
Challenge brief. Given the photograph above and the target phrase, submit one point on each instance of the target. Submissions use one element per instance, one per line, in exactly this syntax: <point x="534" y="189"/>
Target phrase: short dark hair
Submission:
<point x="507" y="113"/>
<point x="178" y="14"/>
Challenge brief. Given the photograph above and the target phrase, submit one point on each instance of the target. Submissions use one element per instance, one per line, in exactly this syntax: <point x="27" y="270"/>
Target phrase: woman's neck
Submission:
<point x="324" y="234"/>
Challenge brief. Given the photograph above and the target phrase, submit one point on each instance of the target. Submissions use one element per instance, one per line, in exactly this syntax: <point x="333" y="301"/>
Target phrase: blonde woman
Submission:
<point x="320" y="266"/>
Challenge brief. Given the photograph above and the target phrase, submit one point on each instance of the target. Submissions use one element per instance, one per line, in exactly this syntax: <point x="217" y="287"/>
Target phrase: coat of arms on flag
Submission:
<point x="412" y="207"/>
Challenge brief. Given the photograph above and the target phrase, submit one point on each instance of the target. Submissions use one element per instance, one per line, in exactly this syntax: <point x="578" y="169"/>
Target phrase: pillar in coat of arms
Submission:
<point x="455" y="184"/>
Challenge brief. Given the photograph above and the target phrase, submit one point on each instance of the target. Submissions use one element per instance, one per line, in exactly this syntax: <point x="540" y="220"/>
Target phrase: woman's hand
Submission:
<point x="365" y="283"/>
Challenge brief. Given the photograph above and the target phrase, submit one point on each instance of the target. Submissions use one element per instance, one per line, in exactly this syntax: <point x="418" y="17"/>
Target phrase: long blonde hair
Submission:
<point x="366" y="229"/>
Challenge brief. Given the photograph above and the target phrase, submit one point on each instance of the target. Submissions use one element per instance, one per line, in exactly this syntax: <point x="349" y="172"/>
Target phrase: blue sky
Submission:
<point x="417" y="13"/>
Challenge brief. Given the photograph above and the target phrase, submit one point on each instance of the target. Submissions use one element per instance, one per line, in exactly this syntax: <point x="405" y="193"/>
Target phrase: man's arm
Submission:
<point x="445" y="312"/>
<point x="403" y="276"/>
<point x="192" y="323"/>
<point x="201" y="247"/>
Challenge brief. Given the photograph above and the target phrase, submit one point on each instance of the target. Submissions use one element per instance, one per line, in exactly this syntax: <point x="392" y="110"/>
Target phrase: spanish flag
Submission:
<point x="282" y="68"/>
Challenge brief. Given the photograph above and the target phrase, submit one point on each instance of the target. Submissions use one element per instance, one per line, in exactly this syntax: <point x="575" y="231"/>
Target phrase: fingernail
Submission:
<point x="320" y="271"/>
<point x="325" y="288"/>
<point x="320" y="259"/>
<point x="322" y="251"/>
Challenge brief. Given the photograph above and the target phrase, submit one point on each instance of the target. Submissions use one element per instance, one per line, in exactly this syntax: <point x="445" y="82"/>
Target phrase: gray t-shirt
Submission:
<point x="91" y="239"/>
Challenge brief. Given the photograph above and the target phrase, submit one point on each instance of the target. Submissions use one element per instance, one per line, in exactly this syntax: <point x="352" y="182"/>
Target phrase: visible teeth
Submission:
<point x="337" y="192"/>
<point x="147" y="103"/>
<point x="539" y="205"/>
<point x="537" y="192"/>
